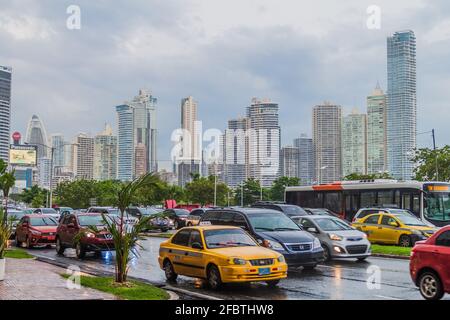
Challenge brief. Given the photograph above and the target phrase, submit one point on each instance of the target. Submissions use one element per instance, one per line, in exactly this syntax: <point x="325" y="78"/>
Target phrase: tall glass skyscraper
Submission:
<point x="37" y="135"/>
<point x="5" y="111"/>
<point x="401" y="115"/>
<point x="136" y="135"/>
<point x="376" y="132"/>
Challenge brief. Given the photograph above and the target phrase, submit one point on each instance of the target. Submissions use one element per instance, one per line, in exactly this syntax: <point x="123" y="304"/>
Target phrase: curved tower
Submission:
<point x="37" y="135"/>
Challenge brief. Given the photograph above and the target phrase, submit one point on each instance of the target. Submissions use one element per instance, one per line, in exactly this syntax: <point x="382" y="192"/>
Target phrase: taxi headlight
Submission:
<point x="281" y="259"/>
<point x="335" y="237"/>
<point x="316" y="243"/>
<point x="238" y="261"/>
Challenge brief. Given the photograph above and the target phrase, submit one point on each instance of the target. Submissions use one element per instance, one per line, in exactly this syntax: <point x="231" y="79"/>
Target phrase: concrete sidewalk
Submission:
<point x="28" y="279"/>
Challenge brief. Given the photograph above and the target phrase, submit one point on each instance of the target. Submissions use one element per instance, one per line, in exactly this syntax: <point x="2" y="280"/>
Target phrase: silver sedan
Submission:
<point x="338" y="239"/>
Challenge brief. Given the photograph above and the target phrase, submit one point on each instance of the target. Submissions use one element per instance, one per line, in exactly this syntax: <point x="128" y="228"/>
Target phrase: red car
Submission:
<point x="73" y="224"/>
<point x="35" y="230"/>
<point x="430" y="265"/>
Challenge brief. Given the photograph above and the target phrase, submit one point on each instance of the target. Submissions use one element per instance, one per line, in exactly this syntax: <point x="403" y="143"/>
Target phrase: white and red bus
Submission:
<point x="429" y="201"/>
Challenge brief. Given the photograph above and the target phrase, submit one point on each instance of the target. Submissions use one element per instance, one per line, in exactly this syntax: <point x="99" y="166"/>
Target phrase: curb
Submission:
<point x="390" y="256"/>
<point x="172" y="291"/>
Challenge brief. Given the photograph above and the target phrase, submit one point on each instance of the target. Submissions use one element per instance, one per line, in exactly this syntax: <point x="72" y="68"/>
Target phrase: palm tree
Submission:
<point x="126" y="237"/>
<point x="7" y="181"/>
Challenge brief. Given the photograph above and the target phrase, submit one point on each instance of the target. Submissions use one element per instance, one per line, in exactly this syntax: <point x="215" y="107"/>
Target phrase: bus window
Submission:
<point x="368" y="199"/>
<point x="333" y="201"/>
<point x="406" y="201"/>
<point x="416" y="204"/>
<point x="385" y="197"/>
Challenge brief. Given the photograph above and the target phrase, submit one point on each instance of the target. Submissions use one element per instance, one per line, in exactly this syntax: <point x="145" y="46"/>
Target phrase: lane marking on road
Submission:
<point x="387" y="297"/>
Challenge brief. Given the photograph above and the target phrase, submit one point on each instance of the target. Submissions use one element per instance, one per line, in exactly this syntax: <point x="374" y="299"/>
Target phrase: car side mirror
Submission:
<point x="313" y="230"/>
<point x="393" y="224"/>
<point x="197" y="245"/>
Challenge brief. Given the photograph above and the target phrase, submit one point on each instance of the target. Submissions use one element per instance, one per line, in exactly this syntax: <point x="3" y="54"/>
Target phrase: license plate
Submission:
<point x="264" y="271"/>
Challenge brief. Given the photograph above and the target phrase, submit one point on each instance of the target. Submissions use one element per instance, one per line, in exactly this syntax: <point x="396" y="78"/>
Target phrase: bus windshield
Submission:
<point x="438" y="206"/>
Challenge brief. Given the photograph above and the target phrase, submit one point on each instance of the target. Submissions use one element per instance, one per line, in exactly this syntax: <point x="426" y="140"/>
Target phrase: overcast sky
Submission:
<point x="298" y="53"/>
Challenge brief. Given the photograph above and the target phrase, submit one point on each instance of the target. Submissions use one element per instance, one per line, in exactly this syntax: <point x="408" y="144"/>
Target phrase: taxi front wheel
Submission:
<point x="169" y="271"/>
<point x="214" y="279"/>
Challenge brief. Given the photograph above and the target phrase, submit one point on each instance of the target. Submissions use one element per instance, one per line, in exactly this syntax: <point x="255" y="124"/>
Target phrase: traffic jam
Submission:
<point x="265" y="242"/>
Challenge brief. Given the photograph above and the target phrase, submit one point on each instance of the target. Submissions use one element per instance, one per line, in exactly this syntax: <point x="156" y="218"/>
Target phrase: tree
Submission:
<point x="252" y="192"/>
<point x="125" y="239"/>
<point x="432" y="165"/>
<point x="7" y="181"/>
<point x="201" y="190"/>
<point x="35" y="196"/>
<point x="279" y="185"/>
<point x="358" y="176"/>
<point x="76" y="194"/>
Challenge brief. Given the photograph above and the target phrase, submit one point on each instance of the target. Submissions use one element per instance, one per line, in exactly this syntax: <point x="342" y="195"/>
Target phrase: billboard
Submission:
<point x="21" y="155"/>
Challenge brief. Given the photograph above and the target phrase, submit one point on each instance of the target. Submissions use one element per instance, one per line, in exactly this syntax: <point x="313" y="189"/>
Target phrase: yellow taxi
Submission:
<point x="220" y="254"/>
<point x="397" y="229"/>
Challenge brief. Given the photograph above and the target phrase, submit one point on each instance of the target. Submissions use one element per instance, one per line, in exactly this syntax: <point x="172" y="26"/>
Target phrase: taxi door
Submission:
<point x="177" y="252"/>
<point x="389" y="231"/>
<point x="194" y="255"/>
<point x="370" y="227"/>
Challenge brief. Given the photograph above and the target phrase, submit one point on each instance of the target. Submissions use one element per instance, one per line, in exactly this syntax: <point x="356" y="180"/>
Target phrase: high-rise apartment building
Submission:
<point x="376" y="132"/>
<point x="105" y="155"/>
<point x="354" y="136"/>
<point x="58" y="145"/>
<point x="327" y="122"/>
<point x="289" y="157"/>
<point x="264" y="138"/>
<point x="84" y="150"/>
<point x="191" y="156"/>
<point x="136" y="123"/>
<point x="305" y="160"/>
<point x="5" y="111"/>
<point x="236" y="151"/>
<point x="401" y="114"/>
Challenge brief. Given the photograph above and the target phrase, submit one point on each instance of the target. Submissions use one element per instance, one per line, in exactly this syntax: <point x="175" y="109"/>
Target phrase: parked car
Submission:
<point x="74" y="224"/>
<point x="220" y="254"/>
<point x="397" y="229"/>
<point x="158" y="222"/>
<point x="15" y="215"/>
<point x="364" y="212"/>
<point x="35" y="230"/>
<point x="178" y="216"/>
<point x="47" y="211"/>
<point x="289" y="209"/>
<point x="193" y="219"/>
<point x="274" y="230"/>
<point x="429" y="265"/>
<point x="338" y="239"/>
<point x="62" y="209"/>
<point x="321" y="212"/>
<point x="114" y="213"/>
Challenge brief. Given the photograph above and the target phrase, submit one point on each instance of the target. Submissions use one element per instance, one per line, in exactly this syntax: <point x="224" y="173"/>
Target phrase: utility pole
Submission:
<point x="436" y="156"/>
<point x="242" y="194"/>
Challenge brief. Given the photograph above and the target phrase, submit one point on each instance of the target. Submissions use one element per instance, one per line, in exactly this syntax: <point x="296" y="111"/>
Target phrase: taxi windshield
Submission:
<point x="410" y="221"/>
<point x="227" y="238"/>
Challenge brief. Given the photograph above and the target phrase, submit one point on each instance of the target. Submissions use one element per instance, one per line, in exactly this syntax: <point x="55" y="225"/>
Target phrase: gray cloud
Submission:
<point x="220" y="52"/>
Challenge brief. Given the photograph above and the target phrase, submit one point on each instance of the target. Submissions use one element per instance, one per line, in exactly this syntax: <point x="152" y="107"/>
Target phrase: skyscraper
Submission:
<point x="376" y="132"/>
<point x="37" y="135"/>
<point x="401" y="114"/>
<point x="191" y="157"/>
<point x="57" y="142"/>
<point x="264" y="141"/>
<point x="136" y="123"/>
<point x="354" y="135"/>
<point x="236" y="151"/>
<point x="84" y="157"/>
<point x="305" y="159"/>
<point x="289" y="157"/>
<point x="327" y="121"/>
<point x="5" y="111"/>
<point x="105" y="155"/>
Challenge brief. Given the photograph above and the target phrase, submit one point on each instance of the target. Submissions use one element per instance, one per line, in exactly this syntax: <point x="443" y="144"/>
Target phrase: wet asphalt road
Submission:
<point x="337" y="280"/>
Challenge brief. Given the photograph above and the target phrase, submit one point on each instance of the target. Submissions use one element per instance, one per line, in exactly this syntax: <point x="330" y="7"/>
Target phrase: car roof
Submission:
<point x="36" y="215"/>
<point x="212" y="227"/>
<point x="248" y="210"/>
<point x="317" y="216"/>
